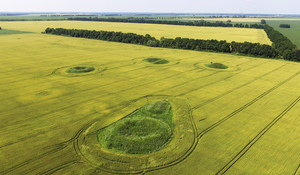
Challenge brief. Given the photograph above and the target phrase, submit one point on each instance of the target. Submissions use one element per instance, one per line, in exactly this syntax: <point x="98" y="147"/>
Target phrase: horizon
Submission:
<point x="151" y="13"/>
<point x="154" y="6"/>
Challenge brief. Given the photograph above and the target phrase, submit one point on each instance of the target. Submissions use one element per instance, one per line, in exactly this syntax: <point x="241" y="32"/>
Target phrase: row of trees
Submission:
<point x="170" y="22"/>
<point x="285" y="47"/>
<point x="254" y="49"/>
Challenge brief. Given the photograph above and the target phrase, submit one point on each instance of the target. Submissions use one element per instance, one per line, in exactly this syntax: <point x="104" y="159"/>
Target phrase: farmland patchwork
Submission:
<point x="81" y="106"/>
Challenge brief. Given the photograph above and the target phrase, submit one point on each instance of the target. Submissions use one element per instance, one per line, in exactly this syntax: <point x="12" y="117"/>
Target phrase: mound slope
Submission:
<point x="145" y="131"/>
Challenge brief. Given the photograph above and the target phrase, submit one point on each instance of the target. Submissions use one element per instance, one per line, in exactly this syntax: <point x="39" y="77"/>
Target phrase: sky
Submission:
<point x="157" y="6"/>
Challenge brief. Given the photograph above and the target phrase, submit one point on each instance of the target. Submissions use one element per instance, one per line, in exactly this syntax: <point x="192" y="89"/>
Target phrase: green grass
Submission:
<point x="292" y="33"/>
<point x="80" y="69"/>
<point x="216" y="65"/>
<point x="145" y="131"/>
<point x="10" y="32"/>
<point x="156" y="60"/>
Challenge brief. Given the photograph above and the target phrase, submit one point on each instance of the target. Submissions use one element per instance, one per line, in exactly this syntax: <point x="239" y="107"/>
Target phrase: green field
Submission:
<point x="292" y="33"/>
<point x="240" y="120"/>
<point x="10" y="32"/>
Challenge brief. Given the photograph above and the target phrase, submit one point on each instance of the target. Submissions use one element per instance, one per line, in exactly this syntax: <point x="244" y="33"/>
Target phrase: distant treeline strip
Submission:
<point x="246" y="48"/>
<point x="46" y="19"/>
<point x="170" y="22"/>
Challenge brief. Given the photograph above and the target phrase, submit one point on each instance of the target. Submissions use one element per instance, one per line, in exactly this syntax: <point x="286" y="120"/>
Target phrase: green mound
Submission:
<point x="144" y="131"/>
<point x="216" y="65"/>
<point x="156" y="60"/>
<point x="80" y="69"/>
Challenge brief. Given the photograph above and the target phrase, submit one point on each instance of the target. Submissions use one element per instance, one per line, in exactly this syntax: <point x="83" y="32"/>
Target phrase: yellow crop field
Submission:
<point x="240" y="120"/>
<point x="158" y="31"/>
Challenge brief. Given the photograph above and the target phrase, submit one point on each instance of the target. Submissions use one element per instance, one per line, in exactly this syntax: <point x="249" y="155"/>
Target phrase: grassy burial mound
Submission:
<point x="144" y="131"/>
<point x="80" y="69"/>
<point x="156" y="60"/>
<point x="216" y="65"/>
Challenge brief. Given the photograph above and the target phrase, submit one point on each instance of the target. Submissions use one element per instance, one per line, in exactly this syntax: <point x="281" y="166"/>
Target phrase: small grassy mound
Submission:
<point x="156" y="60"/>
<point x="216" y="65"/>
<point x="145" y="131"/>
<point x="80" y="69"/>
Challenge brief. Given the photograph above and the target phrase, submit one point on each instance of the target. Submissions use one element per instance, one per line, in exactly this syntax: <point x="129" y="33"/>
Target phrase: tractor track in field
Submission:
<point x="139" y="76"/>
<point x="58" y="147"/>
<point x="31" y="160"/>
<point x="60" y="167"/>
<point x="198" y="136"/>
<point x="53" y="72"/>
<point x="64" y="84"/>
<point x="197" y="88"/>
<point x="139" y="171"/>
<point x="95" y="97"/>
<point x="236" y="88"/>
<point x="241" y="153"/>
<point x="65" y="144"/>
<point x="297" y="172"/>
<point x="246" y="105"/>
<point x="184" y="83"/>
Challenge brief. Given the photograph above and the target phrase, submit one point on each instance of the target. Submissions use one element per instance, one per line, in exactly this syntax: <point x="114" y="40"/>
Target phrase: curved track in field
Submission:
<point x="76" y="146"/>
<point x="58" y="147"/>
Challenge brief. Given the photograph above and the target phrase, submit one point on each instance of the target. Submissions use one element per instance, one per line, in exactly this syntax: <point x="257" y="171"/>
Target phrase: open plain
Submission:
<point x="240" y="120"/>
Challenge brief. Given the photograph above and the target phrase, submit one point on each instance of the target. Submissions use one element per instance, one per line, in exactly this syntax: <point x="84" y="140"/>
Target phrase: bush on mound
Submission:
<point x="217" y="65"/>
<point x="156" y="60"/>
<point x="145" y="131"/>
<point x="80" y="69"/>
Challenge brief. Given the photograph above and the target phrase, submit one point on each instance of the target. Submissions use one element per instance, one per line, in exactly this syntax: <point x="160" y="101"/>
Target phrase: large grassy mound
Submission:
<point x="156" y="60"/>
<point x="216" y="65"/>
<point x="145" y="131"/>
<point x="80" y="69"/>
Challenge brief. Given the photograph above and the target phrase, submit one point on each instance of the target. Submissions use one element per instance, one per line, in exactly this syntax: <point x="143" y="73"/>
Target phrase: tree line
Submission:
<point x="285" y="26"/>
<point x="285" y="47"/>
<point x="247" y="48"/>
<point x="170" y="22"/>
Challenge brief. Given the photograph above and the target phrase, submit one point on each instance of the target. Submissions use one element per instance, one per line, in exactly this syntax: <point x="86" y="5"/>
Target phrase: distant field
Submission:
<point x="252" y="20"/>
<point x="244" y="20"/>
<point x="292" y="33"/>
<point x="167" y="31"/>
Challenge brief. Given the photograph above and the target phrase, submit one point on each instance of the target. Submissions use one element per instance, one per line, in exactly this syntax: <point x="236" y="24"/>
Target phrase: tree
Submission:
<point x="0" y="28"/>
<point x="263" y="21"/>
<point x="285" y="26"/>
